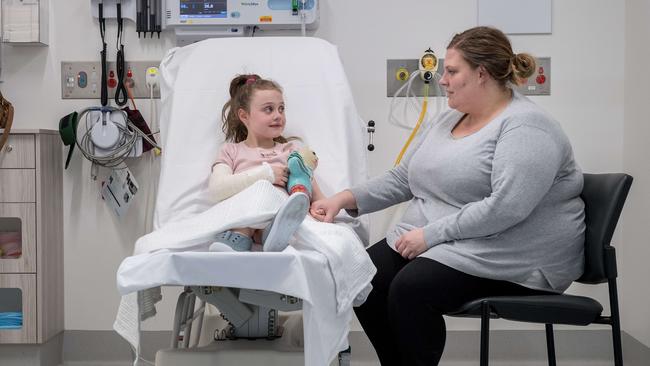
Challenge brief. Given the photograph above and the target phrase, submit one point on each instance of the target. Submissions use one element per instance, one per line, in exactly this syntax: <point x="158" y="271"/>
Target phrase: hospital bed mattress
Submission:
<point x="278" y="271"/>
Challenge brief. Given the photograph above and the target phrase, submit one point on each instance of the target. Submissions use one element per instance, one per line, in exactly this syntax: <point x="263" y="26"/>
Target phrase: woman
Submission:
<point x="494" y="205"/>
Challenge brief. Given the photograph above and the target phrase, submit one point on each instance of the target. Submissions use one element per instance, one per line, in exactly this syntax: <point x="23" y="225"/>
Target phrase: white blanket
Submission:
<point x="326" y="266"/>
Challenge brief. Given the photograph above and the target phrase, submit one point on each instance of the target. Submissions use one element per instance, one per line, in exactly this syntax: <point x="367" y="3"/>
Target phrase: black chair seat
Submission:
<point x="557" y="309"/>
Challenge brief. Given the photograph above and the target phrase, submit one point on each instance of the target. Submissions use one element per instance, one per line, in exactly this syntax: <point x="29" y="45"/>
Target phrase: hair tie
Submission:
<point x="251" y="80"/>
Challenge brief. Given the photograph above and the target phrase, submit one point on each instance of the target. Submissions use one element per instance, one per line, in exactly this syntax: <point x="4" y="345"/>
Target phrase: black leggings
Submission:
<point x="403" y="314"/>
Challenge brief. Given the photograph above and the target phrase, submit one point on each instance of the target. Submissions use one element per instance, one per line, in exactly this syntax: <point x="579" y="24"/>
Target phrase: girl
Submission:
<point x="253" y="121"/>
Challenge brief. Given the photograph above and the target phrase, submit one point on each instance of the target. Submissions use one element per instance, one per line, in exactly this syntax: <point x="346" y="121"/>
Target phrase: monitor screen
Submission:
<point x="194" y="9"/>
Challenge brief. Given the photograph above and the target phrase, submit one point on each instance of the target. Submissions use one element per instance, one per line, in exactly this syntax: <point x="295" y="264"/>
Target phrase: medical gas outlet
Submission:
<point x="402" y="74"/>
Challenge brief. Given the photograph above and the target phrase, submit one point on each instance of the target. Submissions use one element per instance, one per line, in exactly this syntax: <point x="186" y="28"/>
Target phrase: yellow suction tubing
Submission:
<point x="417" y="125"/>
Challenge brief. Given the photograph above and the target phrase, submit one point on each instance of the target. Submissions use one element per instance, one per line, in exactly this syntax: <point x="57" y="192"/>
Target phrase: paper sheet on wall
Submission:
<point x="516" y="16"/>
<point x="20" y="20"/>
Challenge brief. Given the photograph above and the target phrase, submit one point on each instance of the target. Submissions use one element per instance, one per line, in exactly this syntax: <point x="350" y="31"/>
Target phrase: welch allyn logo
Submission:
<point x="250" y="3"/>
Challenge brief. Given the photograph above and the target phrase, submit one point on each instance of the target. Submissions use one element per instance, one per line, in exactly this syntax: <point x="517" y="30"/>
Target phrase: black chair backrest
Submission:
<point x="604" y="196"/>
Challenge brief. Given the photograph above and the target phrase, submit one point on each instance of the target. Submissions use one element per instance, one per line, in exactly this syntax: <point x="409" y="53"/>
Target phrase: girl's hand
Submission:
<point x="411" y="244"/>
<point x="280" y="175"/>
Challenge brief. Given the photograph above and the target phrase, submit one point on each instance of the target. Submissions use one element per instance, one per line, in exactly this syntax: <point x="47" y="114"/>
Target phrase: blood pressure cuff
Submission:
<point x="136" y="118"/>
<point x="68" y="132"/>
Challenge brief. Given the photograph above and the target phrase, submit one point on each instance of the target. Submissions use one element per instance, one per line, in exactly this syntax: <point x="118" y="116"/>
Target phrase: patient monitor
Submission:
<point x="194" y="20"/>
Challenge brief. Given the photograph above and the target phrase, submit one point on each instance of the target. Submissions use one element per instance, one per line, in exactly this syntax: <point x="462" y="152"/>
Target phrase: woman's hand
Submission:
<point x="280" y="175"/>
<point x="411" y="244"/>
<point x="325" y="209"/>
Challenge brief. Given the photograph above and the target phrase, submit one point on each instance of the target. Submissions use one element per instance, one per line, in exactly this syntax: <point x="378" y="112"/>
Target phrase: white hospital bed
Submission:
<point x="321" y="111"/>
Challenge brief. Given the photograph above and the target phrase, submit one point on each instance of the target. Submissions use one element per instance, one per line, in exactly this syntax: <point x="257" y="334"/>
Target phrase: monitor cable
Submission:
<point x="121" y="94"/>
<point x="102" y="33"/>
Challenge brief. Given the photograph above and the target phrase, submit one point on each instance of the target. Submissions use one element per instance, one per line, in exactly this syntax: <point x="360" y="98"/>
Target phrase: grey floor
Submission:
<point x="521" y="348"/>
<point x="374" y="363"/>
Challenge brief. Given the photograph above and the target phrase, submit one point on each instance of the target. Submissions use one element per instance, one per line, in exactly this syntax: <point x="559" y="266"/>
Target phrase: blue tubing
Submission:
<point x="11" y="320"/>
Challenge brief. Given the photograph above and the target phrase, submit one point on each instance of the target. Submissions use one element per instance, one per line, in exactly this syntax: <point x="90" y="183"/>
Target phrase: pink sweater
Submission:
<point x="239" y="157"/>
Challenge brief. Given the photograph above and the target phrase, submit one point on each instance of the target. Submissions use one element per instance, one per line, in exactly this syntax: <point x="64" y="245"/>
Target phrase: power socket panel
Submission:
<point x="538" y="84"/>
<point x="82" y="80"/>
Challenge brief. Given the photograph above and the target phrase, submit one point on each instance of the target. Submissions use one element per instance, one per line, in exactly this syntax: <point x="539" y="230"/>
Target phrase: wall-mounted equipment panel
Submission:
<point x="540" y="82"/>
<point x="82" y="80"/>
<point x="195" y="20"/>
<point x="279" y="14"/>
<point x="399" y="71"/>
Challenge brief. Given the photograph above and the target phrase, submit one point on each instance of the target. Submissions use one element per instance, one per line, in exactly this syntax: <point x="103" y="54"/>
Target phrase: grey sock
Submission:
<point x="231" y="241"/>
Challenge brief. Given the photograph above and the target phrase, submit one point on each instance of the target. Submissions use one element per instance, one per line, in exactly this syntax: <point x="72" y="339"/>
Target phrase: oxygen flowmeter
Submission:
<point x="428" y="64"/>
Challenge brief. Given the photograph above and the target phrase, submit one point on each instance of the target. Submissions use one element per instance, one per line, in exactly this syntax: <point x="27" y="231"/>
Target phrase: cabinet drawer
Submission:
<point x="18" y="237"/>
<point x="18" y="152"/>
<point x="18" y="296"/>
<point x="17" y="185"/>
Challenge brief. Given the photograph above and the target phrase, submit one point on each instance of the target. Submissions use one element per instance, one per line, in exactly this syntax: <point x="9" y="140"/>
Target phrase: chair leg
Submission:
<point x="550" y="345"/>
<point x="616" y="323"/>
<point x="485" y="333"/>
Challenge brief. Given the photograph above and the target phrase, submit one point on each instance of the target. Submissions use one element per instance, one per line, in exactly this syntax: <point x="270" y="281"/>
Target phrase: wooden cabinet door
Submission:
<point x="18" y="153"/>
<point x="18" y="216"/>
<point x="26" y="286"/>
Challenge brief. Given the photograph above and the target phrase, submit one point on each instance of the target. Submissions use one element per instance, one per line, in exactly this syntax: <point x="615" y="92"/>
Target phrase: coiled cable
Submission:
<point x="128" y="135"/>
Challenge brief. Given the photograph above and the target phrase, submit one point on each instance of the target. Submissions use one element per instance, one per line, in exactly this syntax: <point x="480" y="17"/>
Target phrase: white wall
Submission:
<point x="635" y="251"/>
<point x="587" y="98"/>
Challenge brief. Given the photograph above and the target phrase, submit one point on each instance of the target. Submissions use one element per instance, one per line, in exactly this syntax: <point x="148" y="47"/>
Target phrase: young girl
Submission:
<point x="253" y="121"/>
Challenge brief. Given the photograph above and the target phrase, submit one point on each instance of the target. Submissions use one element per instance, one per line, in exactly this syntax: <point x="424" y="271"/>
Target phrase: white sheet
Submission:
<point x="326" y="266"/>
<point x="320" y="110"/>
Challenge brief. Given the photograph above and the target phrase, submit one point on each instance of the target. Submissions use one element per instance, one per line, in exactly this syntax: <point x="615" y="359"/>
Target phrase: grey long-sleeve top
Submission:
<point x="502" y="203"/>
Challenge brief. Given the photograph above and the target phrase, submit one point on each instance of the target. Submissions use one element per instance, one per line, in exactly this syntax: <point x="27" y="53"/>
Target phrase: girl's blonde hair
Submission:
<point x="490" y="48"/>
<point x="242" y="88"/>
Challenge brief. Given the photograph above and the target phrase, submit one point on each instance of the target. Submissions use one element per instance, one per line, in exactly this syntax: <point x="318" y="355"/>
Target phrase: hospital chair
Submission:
<point x="320" y="110"/>
<point x="604" y="196"/>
